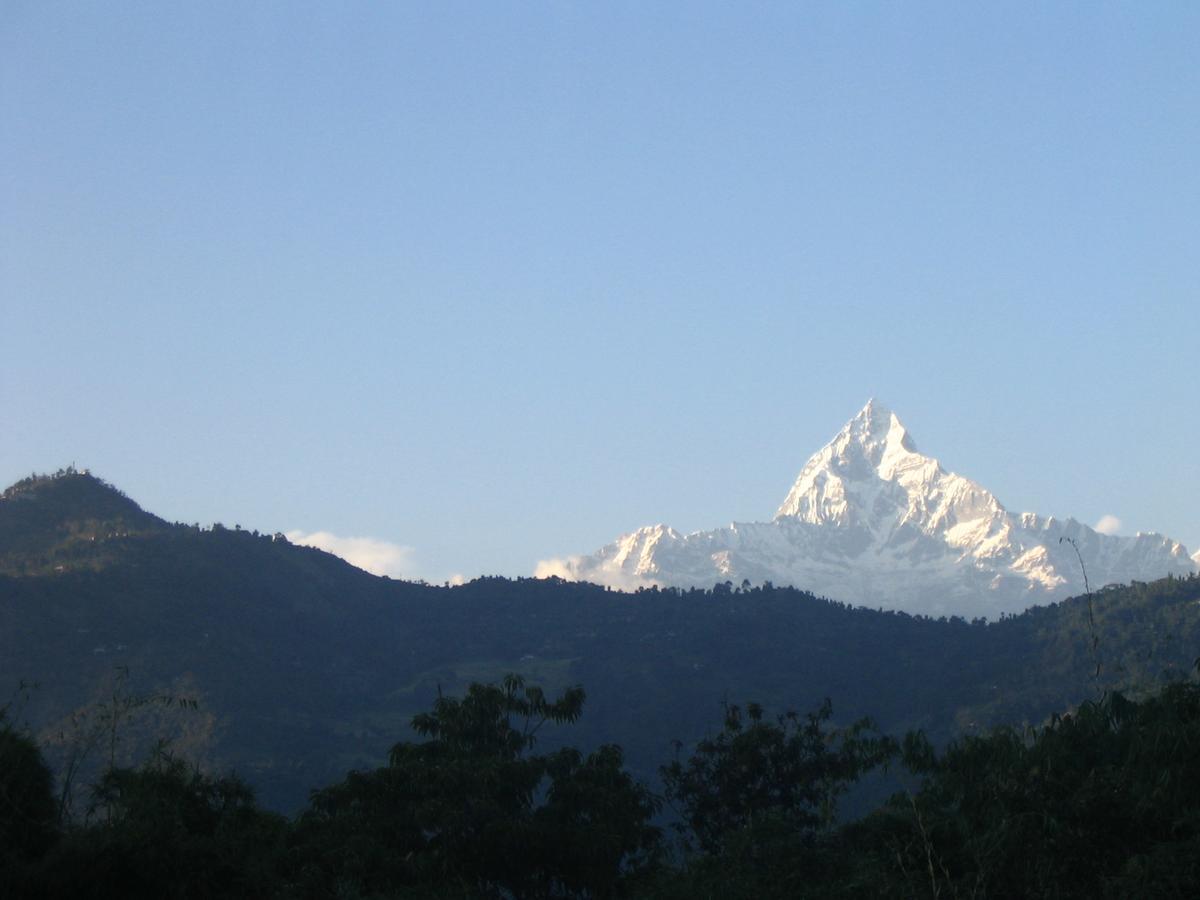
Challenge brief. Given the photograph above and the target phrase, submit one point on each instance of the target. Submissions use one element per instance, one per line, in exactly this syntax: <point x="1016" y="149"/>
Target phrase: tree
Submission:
<point x="472" y="810"/>
<point x="165" y="829"/>
<point x="762" y="776"/>
<point x="1104" y="801"/>
<point x="755" y="799"/>
<point x="27" y="806"/>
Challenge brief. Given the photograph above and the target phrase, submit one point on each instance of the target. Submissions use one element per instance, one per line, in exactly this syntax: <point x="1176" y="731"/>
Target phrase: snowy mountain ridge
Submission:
<point x="871" y="521"/>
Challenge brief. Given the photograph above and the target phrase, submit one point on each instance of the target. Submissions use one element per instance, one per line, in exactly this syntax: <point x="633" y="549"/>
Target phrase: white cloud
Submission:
<point x="555" y="568"/>
<point x="369" y="554"/>
<point x="569" y="569"/>
<point x="1108" y="524"/>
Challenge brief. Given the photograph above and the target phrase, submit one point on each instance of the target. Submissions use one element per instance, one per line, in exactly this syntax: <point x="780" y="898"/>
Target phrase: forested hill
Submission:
<point x="50" y="518"/>
<point x="304" y="667"/>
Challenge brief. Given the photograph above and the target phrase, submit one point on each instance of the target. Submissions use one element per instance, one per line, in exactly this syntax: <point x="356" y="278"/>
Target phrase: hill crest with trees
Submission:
<point x="304" y="667"/>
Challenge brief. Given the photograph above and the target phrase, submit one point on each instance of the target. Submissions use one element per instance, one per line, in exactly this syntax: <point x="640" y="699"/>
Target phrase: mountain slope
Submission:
<point x="49" y="520"/>
<point x="305" y="666"/>
<point x="872" y="521"/>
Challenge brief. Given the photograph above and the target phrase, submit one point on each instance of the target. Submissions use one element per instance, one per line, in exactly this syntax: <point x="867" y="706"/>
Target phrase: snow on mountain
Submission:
<point x="871" y="521"/>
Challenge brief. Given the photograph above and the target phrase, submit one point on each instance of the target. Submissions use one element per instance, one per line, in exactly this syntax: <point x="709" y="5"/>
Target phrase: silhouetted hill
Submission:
<point x="46" y="519"/>
<point x="306" y="666"/>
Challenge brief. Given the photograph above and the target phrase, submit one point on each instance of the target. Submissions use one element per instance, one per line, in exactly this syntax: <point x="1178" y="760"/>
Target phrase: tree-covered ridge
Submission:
<point x="307" y="667"/>
<point x="1100" y="802"/>
<point x="51" y="522"/>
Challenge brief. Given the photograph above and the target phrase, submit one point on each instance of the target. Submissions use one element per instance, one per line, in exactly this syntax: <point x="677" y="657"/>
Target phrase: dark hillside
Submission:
<point x="308" y="666"/>
<point x="45" y="520"/>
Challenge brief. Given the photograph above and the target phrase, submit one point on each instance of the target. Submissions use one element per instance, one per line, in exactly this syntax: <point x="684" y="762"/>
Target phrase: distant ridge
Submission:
<point x="872" y="521"/>
<point x="304" y="666"/>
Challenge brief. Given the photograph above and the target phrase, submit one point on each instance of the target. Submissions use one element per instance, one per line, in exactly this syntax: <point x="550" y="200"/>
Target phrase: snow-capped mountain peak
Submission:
<point x="871" y="475"/>
<point x="874" y="445"/>
<point x="871" y="520"/>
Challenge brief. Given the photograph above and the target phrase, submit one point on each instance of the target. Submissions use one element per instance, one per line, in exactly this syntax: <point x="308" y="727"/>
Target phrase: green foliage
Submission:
<point x="89" y="742"/>
<point x="167" y="830"/>
<point x="1100" y="802"/>
<point x="482" y="723"/>
<point x="473" y="811"/>
<point x="593" y="831"/>
<point x="758" y="799"/>
<point x="27" y="807"/>
<point x="763" y="777"/>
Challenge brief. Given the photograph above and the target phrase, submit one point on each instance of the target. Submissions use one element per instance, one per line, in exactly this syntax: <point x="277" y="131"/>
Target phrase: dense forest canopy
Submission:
<point x="1101" y="802"/>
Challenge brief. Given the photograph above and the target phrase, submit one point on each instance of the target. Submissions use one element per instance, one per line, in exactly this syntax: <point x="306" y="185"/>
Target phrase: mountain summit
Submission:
<point x="872" y="445"/>
<point x="872" y="521"/>
<point x="52" y="516"/>
<point x="871" y="478"/>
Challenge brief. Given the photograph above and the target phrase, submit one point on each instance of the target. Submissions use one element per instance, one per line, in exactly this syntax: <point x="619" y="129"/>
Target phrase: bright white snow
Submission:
<point x="871" y="521"/>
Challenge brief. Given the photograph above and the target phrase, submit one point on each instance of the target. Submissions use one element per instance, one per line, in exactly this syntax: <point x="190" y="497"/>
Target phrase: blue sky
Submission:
<point x="497" y="282"/>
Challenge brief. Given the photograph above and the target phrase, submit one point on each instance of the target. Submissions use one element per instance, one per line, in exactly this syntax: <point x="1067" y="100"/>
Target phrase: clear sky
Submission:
<point x="496" y="282"/>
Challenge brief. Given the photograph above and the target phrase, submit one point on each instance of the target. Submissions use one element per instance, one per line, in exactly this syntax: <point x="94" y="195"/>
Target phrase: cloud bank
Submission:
<point x="1108" y="524"/>
<point x="569" y="569"/>
<point x="372" y="555"/>
<point x="555" y="568"/>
